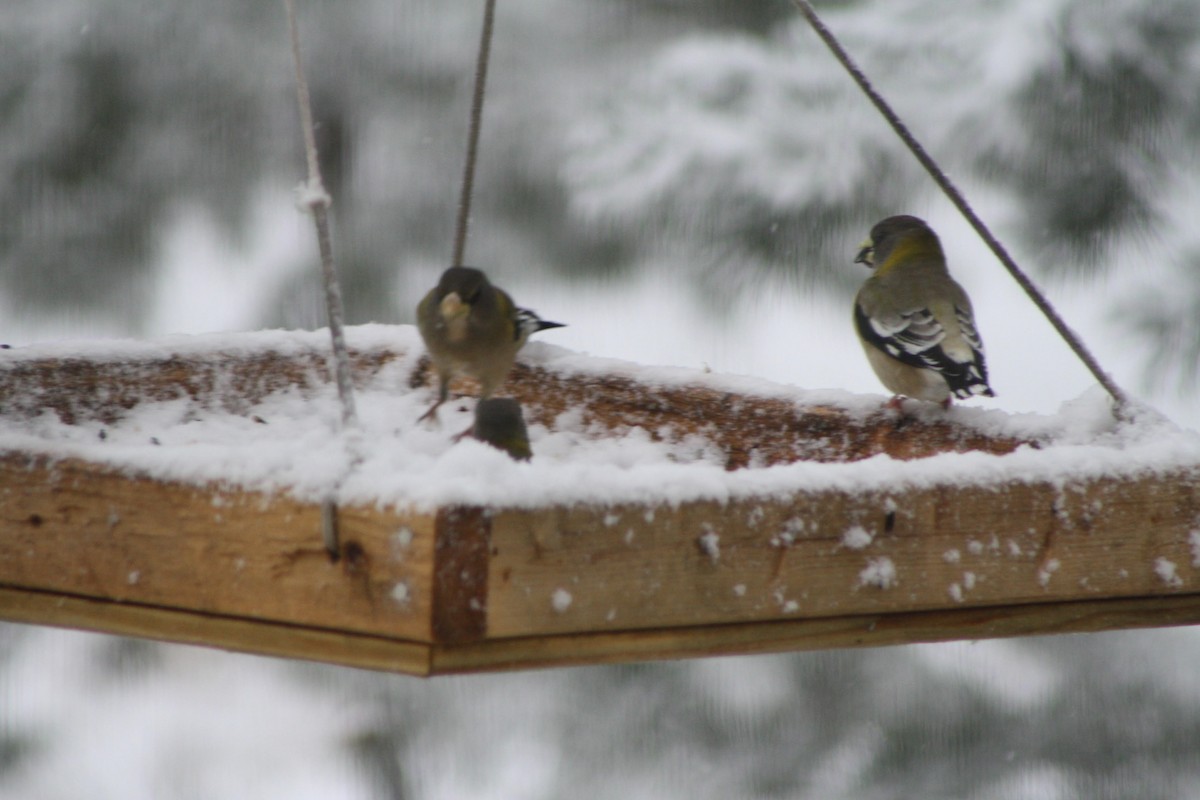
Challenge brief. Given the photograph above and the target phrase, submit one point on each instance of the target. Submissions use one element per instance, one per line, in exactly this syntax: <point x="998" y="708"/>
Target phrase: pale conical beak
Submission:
<point x="452" y="306"/>
<point x="866" y="254"/>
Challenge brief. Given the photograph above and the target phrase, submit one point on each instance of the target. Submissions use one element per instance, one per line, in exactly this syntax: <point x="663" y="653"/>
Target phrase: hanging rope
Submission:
<point x="468" y="179"/>
<point x="956" y="197"/>
<point x="317" y="201"/>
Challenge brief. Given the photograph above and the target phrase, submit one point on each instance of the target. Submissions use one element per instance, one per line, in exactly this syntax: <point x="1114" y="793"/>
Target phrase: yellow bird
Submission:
<point x="473" y="328"/>
<point x="915" y="322"/>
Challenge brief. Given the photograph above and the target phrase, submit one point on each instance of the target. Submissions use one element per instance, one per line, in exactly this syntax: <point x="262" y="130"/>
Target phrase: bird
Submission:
<point x="498" y="422"/>
<point x="471" y="327"/>
<point x="914" y="321"/>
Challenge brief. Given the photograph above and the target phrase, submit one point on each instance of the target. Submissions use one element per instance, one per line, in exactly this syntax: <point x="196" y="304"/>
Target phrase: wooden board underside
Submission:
<point x="510" y="589"/>
<point x="414" y="658"/>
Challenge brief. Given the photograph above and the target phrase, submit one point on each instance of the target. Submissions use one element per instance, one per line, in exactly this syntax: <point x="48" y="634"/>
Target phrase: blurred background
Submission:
<point x="683" y="182"/>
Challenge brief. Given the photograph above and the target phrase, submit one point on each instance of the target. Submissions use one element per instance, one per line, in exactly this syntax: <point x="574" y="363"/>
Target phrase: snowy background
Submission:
<point x="684" y="183"/>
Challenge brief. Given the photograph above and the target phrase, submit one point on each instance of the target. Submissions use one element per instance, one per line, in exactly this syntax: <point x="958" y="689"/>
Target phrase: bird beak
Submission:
<point x="453" y="307"/>
<point x="866" y="253"/>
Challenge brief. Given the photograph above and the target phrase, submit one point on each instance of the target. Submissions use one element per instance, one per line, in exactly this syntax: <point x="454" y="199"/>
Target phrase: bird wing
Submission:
<point x="529" y="323"/>
<point x="916" y="337"/>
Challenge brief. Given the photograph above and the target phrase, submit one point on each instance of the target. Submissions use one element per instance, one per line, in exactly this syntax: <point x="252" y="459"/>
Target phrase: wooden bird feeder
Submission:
<point x="96" y="542"/>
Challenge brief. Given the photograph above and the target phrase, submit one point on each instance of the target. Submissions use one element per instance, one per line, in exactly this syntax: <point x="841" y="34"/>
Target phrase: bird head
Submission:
<point x="888" y="236"/>
<point x="459" y="289"/>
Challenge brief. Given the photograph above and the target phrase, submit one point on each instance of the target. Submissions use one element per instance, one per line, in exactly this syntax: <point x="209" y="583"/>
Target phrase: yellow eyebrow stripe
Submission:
<point x="906" y="248"/>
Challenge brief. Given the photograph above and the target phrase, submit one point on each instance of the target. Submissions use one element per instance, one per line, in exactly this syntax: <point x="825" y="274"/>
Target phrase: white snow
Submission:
<point x="311" y="194"/>
<point x="402" y="539"/>
<point x="856" y="537"/>
<point x="880" y="572"/>
<point x="299" y="449"/>
<point x="1047" y="571"/>
<point x="560" y="600"/>
<point x="710" y="544"/>
<point x="791" y="530"/>
<point x="1167" y="572"/>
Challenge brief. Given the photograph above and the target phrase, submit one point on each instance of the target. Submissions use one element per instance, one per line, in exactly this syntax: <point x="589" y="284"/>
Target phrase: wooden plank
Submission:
<point x="588" y="570"/>
<point x="377" y="653"/>
<point x="460" y="574"/>
<point x="821" y="554"/>
<point x="226" y="633"/>
<point x="873" y="630"/>
<point x="86" y="531"/>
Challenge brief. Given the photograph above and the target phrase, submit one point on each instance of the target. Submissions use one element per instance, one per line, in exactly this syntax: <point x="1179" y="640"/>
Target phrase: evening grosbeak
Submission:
<point x="473" y="328"/>
<point x="498" y="422"/>
<point x="915" y="323"/>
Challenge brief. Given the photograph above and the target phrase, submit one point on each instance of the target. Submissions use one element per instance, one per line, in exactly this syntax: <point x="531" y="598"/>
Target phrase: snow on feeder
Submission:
<point x="173" y="489"/>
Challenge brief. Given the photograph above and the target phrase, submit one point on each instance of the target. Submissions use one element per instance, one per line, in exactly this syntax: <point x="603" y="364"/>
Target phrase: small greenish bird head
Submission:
<point x="898" y="238"/>
<point x="498" y="422"/>
<point x="457" y="293"/>
<point x="467" y="282"/>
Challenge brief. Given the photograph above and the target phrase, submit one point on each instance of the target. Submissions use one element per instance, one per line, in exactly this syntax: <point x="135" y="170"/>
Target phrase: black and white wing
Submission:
<point x="918" y="338"/>
<point x="529" y="323"/>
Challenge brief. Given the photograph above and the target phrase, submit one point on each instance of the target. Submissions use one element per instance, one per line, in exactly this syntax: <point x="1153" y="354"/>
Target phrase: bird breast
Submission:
<point x="454" y="314"/>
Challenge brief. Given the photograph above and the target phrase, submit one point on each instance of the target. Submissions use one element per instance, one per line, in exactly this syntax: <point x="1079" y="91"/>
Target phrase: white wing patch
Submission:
<point x="917" y="338"/>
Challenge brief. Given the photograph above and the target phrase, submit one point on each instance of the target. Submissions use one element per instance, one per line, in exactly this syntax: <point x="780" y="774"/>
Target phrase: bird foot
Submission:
<point x="431" y="414"/>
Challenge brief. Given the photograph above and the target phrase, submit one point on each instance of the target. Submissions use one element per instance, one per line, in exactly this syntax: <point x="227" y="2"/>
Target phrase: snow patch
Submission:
<point x="792" y="529"/>
<point x="560" y="600"/>
<point x="1167" y="572"/>
<point x="709" y="543"/>
<point x="1047" y="571"/>
<point x="880" y="572"/>
<point x="857" y="537"/>
<point x="301" y="451"/>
